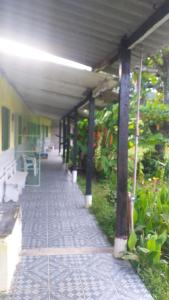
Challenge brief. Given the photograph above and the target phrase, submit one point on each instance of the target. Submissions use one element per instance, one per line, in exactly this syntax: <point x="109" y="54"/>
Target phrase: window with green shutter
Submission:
<point x="46" y="131"/>
<point x="43" y="131"/>
<point x="5" y="128"/>
<point x="38" y="130"/>
<point x="19" y="130"/>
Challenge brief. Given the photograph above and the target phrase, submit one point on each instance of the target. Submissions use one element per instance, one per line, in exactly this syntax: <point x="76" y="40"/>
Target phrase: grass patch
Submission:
<point x="156" y="281"/>
<point x="102" y="208"/>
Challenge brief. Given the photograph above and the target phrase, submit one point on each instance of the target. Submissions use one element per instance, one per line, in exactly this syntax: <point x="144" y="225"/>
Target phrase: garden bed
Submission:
<point x="156" y="277"/>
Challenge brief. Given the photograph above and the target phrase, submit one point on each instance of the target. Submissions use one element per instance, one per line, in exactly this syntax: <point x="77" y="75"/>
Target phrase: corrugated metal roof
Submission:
<point x="49" y="88"/>
<point x="84" y="31"/>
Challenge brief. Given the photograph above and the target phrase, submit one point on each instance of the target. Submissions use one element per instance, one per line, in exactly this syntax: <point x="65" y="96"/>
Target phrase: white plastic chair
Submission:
<point x="30" y="163"/>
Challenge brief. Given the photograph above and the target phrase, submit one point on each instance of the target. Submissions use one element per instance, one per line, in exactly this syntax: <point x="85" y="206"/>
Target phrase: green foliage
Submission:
<point x="132" y="241"/>
<point x="166" y="172"/>
<point x="102" y="207"/>
<point x="157" y="280"/>
<point x="150" y="251"/>
<point x="147" y="245"/>
<point x="152" y="206"/>
<point x="82" y="136"/>
<point x="152" y="166"/>
<point x="155" y="112"/>
<point x="105" y="152"/>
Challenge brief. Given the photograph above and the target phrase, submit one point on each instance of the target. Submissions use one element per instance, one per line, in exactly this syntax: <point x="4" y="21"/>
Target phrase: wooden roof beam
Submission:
<point x="158" y="18"/>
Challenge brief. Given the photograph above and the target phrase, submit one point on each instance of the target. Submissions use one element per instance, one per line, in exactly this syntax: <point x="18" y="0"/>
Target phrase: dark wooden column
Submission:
<point x="68" y="140"/>
<point x="64" y="139"/>
<point x="122" y="161"/>
<point x="75" y="142"/>
<point x="60" y="135"/>
<point x="89" y="167"/>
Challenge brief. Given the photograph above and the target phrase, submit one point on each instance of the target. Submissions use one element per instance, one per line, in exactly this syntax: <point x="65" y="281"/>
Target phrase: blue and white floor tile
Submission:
<point x="54" y="216"/>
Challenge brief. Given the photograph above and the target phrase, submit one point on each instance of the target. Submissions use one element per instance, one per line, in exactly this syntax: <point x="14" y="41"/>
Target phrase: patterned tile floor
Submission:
<point x="54" y="217"/>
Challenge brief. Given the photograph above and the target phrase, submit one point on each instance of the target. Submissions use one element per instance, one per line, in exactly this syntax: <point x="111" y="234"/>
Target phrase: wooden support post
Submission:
<point x="64" y="139"/>
<point x="89" y="167"/>
<point x="68" y="140"/>
<point x="60" y="135"/>
<point x="122" y="158"/>
<point x="74" y="171"/>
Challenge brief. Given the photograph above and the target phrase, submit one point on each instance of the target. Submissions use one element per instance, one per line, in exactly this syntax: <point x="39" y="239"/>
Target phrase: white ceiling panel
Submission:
<point x="48" y="87"/>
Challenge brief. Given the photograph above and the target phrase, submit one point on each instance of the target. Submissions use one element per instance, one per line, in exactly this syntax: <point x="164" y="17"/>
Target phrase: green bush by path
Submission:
<point x="157" y="282"/>
<point x="102" y="206"/>
<point x="148" y="243"/>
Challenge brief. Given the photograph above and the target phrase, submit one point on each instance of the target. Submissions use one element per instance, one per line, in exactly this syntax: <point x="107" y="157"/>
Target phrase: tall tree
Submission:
<point x="160" y="64"/>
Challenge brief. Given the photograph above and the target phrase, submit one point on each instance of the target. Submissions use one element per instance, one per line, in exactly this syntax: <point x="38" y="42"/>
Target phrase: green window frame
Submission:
<point x="20" y="130"/>
<point x="5" y="114"/>
<point x="47" y="133"/>
<point x="38" y="130"/>
<point x="43" y="131"/>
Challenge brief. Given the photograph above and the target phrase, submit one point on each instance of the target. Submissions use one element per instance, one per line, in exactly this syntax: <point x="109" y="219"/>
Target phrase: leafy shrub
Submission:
<point x="148" y="243"/>
<point x="152" y="166"/>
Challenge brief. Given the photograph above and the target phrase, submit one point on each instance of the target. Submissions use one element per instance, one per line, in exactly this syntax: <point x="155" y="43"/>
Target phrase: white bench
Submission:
<point x="2" y="182"/>
<point x="14" y="182"/>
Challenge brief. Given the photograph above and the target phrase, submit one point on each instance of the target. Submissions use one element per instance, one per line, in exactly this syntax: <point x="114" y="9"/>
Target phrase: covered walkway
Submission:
<point x="65" y="255"/>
